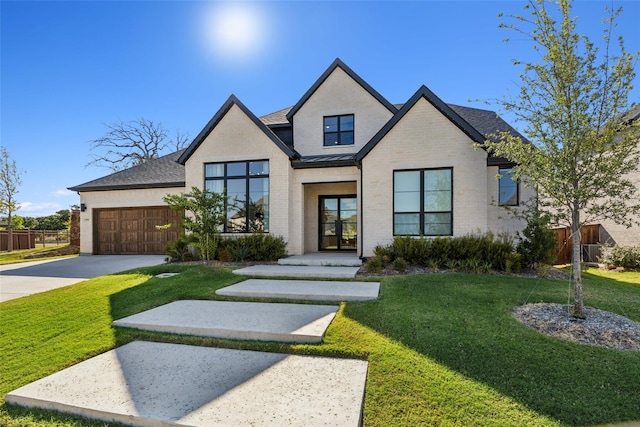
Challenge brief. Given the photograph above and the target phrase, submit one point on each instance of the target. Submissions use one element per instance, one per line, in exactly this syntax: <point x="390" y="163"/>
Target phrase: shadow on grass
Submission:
<point x="464" y="322"/>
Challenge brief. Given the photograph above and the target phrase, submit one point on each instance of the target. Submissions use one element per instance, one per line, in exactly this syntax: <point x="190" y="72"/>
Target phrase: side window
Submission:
<point x="338" y="130"/>
<point x="508" y="189"/>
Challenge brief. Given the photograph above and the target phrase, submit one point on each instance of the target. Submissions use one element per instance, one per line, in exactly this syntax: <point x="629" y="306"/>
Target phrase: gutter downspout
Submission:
<point x="361" y="239"/>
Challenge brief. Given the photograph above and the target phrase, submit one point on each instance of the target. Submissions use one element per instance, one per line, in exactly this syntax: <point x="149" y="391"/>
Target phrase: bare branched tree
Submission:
<point x="132" y="143"/>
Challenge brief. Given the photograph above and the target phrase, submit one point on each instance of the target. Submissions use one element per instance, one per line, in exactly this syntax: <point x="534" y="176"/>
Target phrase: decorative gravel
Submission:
<point x="600" y="328"/>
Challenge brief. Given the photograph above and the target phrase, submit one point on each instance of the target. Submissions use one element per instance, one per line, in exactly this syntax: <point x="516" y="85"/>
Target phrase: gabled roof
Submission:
<point x="162" y="172"/>
<point x="338" y="63"/>
<point x="445" y="109"/>
<point x="217" y="117"/>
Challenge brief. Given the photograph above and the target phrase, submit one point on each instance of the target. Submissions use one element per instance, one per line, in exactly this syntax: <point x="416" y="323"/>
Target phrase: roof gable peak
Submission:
<point x="219" y="115"/>
<point x="422" y="93"/>
<point x="338" y="63"/>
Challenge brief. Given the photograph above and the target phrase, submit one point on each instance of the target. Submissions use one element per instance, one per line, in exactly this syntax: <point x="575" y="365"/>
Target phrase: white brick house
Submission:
<point x="343" y="169"/>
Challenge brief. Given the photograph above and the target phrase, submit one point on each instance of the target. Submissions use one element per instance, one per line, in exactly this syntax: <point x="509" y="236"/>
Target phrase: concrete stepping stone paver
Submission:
<point x="300" y="323"/>
<point x="299" y="271"/>
<point x="322" y="259"/>
<point x="303" y="290"/>
<point x="144" y="383"/>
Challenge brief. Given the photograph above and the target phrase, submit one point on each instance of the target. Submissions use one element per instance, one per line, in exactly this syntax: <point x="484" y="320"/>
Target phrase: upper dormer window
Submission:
<point x="338" y="130"/>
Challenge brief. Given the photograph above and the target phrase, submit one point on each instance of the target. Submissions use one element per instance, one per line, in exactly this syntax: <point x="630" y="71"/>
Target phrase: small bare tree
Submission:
<point x="132" y="143"/>
<point x="10" y="180"/>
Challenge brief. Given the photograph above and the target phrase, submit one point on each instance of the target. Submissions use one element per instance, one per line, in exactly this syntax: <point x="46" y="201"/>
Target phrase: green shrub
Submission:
<point x="399" y="264"/>
<point x="254" y="247"/>
<point x="178" y="250"/>
<point x="374" y="264"/>
<point x="537" y="241"/>
<point x="627" y="257"/>
<point x="473" y="252"/>
<point x="224" y="255"/>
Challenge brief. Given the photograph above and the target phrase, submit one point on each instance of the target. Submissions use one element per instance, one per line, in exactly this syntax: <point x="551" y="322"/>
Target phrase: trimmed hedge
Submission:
<point x="253" y="247"/>
<point x="472" y="251"/>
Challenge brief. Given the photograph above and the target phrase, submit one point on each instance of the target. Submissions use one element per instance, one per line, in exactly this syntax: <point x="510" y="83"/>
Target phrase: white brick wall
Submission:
<point x="339" y="94"/>
<point x="237" y="138"/>
<point x="424" y="138"/>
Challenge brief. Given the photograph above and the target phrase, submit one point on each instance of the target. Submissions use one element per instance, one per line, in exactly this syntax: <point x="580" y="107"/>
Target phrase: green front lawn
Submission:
<point x="442" y="348"/>
<point x="21" y="255"/>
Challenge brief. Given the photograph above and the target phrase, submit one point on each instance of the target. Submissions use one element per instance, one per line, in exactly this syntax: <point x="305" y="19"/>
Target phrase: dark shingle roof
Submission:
<point x="276" y="118"/>
<point x="163" y="172"/>
<point x="487" y="122"/>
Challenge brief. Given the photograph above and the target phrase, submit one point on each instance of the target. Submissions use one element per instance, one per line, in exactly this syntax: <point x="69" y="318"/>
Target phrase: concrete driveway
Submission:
<point x="18" y="280"/>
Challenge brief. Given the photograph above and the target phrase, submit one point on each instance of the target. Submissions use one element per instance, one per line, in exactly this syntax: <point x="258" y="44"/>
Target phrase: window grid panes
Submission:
<point x="246" y="185"/>
<point x="508" y="191"/>
<point x="338" y="130"/>
<point x="423" y="202"/>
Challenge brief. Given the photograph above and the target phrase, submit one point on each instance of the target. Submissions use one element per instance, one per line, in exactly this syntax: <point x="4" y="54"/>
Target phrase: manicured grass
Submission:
<point x="443" y="349"/>
<point x="19" y="255"/>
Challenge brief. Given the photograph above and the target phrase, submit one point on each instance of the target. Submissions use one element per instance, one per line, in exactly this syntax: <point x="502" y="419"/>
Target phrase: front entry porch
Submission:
<point x="338" y="223"/>
<point x="331" y="218"/>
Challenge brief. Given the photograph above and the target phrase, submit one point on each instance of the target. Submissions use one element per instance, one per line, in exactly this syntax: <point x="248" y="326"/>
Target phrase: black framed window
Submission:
<point x="246" y="185"/>
<point x="423" y="202"/>
<point x="338" y="130"/>
<point x="508" y="188"/>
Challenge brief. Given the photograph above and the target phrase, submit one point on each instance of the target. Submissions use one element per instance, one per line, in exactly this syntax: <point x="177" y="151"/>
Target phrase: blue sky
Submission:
<point x="69" y="67"/>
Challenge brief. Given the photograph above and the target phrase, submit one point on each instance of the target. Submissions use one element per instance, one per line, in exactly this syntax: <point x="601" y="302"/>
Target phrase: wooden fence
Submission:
<point x="29" y="239"/>
<point x="590" y="235"/>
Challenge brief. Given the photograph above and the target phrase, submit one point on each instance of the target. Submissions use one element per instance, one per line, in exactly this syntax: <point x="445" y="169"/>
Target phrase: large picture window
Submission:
<point x="338" y="130"/>
<point x="423" y="202"/>
<point x="246" y="185"/>
<point x="509" y="194"/>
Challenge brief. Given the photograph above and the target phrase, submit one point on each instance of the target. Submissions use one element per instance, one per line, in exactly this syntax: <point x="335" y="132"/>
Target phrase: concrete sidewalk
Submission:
<point x="309" y="290"/>
<point x="22" y="279"/>
<point x="300" y="323"/>
<point x="151" y="384"/>
<point x="299" y="271"/>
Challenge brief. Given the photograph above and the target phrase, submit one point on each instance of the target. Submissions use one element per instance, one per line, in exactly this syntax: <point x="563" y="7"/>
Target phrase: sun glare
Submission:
<point x="235" y="31"/>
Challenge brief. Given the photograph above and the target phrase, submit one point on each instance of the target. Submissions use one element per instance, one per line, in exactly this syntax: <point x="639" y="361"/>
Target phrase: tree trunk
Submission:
<point x="9" y="233"/>
<point x="578" y="304"/>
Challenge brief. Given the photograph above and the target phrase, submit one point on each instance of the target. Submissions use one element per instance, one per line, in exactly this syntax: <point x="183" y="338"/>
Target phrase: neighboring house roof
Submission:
<point x="162" y="172"/>
<point x="338" y="63"/>
<point x="220" y="115"/>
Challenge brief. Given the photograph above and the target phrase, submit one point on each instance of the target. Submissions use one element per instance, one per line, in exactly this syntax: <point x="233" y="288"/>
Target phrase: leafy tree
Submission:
<point x="30" y="222"/>
<point x="203" y="214"/>
<point x="17" y="222"/>
<point x="572" y="103"/>
<point x="10" y="180"/>
<point x="132" y="143"/>
<point x="59" y="221"/>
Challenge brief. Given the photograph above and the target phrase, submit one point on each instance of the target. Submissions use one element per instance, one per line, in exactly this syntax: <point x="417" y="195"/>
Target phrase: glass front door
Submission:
<point x="338" y="223"/>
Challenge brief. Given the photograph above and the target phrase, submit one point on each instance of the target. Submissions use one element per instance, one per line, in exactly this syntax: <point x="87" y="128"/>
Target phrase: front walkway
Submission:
<point x="145" y="383"/>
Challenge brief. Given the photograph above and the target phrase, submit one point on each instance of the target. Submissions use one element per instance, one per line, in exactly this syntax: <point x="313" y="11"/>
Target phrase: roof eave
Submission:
<point x="83" y="189"/>
<point x="297" y="164"/>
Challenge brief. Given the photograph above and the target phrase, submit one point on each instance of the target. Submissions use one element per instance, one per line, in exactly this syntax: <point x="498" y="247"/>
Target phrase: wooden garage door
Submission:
<point x="133" y="230"/>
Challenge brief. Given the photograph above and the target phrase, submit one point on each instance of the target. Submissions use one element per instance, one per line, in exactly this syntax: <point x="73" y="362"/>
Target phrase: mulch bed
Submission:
<point x="599" y="328"/>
